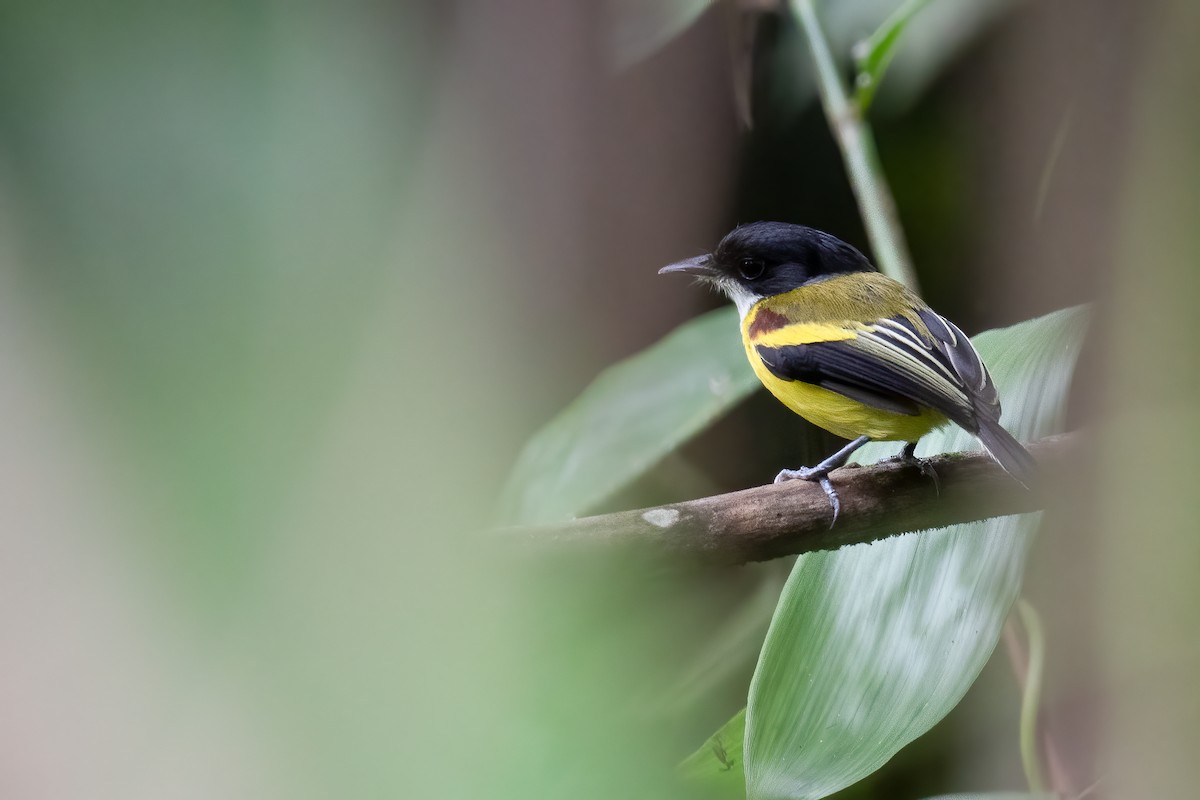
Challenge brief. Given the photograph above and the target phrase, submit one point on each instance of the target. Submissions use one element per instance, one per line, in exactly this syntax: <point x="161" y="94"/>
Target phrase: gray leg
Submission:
<point x="820" y="473"/>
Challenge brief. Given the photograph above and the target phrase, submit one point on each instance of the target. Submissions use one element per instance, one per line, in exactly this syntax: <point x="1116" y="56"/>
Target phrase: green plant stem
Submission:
<point x="1060" y="781"/>
<point x="1032" y="697"/>
<point x="854" y="138"/>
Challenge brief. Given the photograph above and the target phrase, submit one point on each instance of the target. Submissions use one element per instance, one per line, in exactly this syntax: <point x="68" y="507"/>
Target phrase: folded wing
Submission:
<point x="893" y="365"/>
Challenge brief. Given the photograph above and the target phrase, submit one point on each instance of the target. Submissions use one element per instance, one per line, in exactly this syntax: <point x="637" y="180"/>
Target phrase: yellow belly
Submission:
<point x="842" y="416"/>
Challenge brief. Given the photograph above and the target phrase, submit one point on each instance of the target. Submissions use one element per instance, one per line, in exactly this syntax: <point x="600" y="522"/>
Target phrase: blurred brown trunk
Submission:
<point x="1057" y="108"/>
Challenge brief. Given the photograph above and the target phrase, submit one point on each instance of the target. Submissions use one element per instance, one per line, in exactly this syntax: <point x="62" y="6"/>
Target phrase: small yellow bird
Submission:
<point x="851" y="350"/>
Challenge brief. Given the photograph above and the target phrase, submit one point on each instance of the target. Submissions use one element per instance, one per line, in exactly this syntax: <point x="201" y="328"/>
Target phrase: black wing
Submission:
<point x="892" y="366"/>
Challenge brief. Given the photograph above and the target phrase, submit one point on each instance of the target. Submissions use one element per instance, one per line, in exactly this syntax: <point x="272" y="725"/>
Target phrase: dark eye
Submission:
<point x="751" y="268"/>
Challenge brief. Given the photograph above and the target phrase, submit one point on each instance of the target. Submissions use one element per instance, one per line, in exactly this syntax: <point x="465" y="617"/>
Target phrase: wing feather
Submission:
<point x="965" y="360"/>
<point x="893" y="365"/>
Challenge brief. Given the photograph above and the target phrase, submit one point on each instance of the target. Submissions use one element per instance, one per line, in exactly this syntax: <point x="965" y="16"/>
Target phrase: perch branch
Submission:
<point x="766" y="522"/>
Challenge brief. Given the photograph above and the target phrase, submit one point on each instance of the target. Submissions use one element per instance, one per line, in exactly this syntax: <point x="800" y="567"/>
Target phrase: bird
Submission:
<point x="850" y="349"/>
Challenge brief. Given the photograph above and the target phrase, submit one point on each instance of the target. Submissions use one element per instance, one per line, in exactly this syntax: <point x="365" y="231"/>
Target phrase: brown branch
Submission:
<point x="766" y="522"/>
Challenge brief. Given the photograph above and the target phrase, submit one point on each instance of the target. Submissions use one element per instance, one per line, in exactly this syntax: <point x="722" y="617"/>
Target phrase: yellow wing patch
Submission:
<point x="803" y="333"/>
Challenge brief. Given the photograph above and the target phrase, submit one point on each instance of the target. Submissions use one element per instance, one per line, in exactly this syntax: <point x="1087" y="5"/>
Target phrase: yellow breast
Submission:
<point x="839" y="414"/>
<point x="834" y="412"/>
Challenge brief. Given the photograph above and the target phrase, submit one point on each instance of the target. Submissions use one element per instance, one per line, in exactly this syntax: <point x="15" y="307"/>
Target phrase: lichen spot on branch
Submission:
<point x="661" y="517"/>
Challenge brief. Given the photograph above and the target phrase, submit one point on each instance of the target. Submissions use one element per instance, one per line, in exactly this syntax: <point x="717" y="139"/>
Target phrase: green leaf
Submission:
<point x="638" y="28"/>
<point x="717" y="765"/>
<point x="872" y="644"/>
<point x="934" y="40"/>
<point x="631" y="416"/>
<point x="873" y="55"/>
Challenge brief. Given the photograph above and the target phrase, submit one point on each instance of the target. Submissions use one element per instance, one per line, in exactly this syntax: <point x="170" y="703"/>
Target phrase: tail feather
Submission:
<point x="1010" y="453"/>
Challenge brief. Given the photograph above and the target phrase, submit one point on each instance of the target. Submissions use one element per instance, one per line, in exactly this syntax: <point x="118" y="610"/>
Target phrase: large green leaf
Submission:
<point x="628" y="419"/>
<point x="873" y="644"/>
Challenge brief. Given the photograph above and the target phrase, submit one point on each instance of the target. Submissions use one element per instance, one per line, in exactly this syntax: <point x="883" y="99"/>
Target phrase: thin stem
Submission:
<point x="854" y="138"/>
<point x="1032" y="697"/>
<point x="1060" y="782"/>
<point x="1056" y="148"/>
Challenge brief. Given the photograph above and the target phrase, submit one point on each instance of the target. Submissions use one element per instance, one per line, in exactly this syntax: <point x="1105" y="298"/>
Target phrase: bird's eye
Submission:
<point x="751" y="268"/>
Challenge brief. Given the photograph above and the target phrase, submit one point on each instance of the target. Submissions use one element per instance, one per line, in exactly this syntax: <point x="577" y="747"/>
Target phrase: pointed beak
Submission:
<point x="701" y="266"/>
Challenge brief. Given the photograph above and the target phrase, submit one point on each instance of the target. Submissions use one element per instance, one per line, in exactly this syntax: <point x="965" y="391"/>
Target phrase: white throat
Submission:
<point x="742" y="297"/>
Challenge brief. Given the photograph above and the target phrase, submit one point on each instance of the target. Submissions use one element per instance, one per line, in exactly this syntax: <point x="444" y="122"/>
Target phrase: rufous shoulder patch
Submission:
<point x="765" y="321"/>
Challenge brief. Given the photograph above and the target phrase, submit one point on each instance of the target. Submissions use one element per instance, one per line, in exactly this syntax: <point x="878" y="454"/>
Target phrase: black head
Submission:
<point x="769" y="258"/>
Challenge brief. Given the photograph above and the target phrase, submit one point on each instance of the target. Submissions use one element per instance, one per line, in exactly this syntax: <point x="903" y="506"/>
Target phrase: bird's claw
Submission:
<point x="929" y="472"/>
<point x="811" y="474"/>
<point x="834" y="503"/>
<point x="925" y="467"/>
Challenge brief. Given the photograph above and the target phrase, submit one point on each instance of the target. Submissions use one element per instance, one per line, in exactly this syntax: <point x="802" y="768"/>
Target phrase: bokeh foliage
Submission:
<point x="269" y="339"/>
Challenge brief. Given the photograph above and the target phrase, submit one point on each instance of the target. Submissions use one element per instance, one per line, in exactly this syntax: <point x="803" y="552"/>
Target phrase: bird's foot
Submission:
<point x="802" y="474"/>
<point x="821" y="476"/>
<point x="909" y="457"/>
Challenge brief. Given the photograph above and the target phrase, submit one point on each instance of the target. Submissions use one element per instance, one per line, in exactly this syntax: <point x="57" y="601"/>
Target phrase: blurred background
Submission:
<point x="284" y="287"/>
